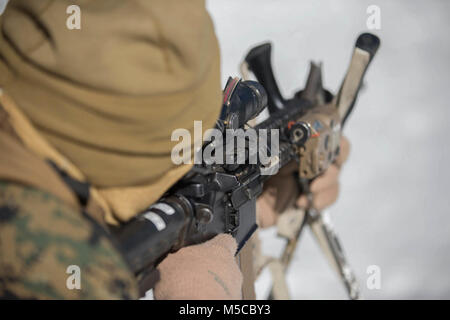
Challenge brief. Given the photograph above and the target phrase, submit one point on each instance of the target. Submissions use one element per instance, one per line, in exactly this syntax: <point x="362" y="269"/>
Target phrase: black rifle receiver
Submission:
<point x="211" y="199"/>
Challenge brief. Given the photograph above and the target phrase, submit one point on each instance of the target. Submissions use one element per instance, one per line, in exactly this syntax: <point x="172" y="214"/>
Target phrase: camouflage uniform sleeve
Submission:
<point x="50" y="251"/>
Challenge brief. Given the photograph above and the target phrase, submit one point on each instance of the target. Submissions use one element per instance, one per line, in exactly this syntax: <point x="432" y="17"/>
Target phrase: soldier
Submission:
<point x="86" y="117"/>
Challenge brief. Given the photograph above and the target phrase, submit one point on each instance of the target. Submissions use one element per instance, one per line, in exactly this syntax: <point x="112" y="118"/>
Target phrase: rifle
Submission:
<point x="220" y="196"/>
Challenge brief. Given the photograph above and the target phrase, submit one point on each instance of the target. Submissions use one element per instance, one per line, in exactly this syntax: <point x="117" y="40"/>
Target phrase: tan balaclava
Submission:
<point x="107" y="96"/>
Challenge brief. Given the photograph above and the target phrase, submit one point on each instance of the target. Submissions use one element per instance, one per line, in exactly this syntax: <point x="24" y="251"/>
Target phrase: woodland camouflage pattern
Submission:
<point x="40" y="237"/>
<point x="167" y="57"/>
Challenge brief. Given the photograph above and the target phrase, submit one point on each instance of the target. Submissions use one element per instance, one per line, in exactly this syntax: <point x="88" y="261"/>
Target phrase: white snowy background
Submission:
<point x="393" y="210"/>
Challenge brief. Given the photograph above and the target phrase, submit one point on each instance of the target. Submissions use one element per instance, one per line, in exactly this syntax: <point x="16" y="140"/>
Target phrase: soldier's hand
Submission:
<point x="204" y="271"/>
<point x="282" y="191"/>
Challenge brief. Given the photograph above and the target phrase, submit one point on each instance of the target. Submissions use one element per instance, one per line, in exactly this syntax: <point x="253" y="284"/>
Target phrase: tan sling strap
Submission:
<point x="247" y="269"/>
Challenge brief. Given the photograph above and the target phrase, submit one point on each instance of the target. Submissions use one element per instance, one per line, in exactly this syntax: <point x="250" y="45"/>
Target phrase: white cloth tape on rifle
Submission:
<point x="155" y="219"/>
<point x="164" y="208"/>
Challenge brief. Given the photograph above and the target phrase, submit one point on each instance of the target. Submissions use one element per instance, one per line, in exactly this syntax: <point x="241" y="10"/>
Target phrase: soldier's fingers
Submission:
<point x="266" y="215"/>
<point x="270" y="196"/>
<point x="328" y="179"/>
<point x="287" y="193"/>
<point x="289" y="169"/>
<point x="344" y="151"/>
<point x="322" y="199"/>
<point x="326" y="197"/>
<point x="302" y="202"/>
